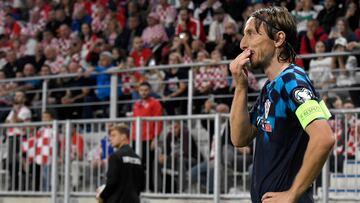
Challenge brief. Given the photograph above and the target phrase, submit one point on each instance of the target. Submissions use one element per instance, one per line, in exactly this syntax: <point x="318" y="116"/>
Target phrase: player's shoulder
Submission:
<point x="293" y="72"/>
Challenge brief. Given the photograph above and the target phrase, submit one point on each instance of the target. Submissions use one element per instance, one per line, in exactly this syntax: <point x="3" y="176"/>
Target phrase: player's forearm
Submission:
<point x="242" y="131"/>
<point x="317" y="152"/>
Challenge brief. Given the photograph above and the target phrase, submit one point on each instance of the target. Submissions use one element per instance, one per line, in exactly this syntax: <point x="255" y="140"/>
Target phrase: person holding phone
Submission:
<point x="288" y="120"/>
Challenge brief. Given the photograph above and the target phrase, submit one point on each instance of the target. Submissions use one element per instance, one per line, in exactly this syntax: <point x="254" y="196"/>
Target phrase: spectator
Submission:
<point x="100" y="18"/>
<point x="181" y="149"/>
<point x="73" y="96"/>
<point x="29" y="71"/>
<point x="147" y="106"/>
<point x="320" y="71"/>
<point x="342" y="29"/>
<point x="63" y="42"/>
<point x="37" y="59"/>
<point x="126" y="38"/>
<point x="53" y="60"/>
<point x="12" y="66"/>
<point x="112" y="31"/>
<point x="124" y="167"/>
<point x="229" y="44"/>
<point x="345" y="64"/>
<point x="351" y="13"/>
<point x="187" y="23"/>
<point x="182" y="44"/>
<point x="175" y="87"/>
<point x="12" y="27"/>
<point x="308" y="39"/>
<point x="60" y="19"/>
<point x="206" y="12"/>
<point x="80" y="17"/>
<point x="154" y="32"/>
<point x="217" y="27"/>
<point x="304" y="11"/>
<point x="140" y="54"/>
<point x="167" y="15"/>
<point x="327" y="15"/>
<point x="18" y="114"/>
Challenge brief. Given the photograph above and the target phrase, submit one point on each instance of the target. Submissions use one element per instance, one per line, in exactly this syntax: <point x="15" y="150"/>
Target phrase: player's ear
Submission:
<point x="280" y="39"/>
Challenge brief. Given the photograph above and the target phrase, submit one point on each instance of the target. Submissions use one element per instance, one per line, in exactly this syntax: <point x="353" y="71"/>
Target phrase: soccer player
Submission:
<point x="125" y="176"/>
<point x="288" y="120"/>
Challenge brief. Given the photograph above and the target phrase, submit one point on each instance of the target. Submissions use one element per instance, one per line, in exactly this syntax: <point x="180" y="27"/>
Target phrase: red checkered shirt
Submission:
<point x="201" y="79"/>
<point x="167" y="14"/>
<point x="63" y="46"/>
<point x="55" y="66"/>
<point x="39" y="147"/>
<point x="219" y="76"/>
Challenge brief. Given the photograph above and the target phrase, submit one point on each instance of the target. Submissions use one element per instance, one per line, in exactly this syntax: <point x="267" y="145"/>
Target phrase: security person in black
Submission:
<point x="125" y="176"/>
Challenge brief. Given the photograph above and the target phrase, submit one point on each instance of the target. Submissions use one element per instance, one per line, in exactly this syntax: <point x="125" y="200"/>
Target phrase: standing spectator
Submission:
<point x="187" y="23"/>
<point x="19" y="114"/>
<point x="175" y="87"/>
<point x="154" y="31"/>
<point x="125" y="176"/>
<point x="112" y="31"/>
<point x="147" y="106"/>
<point x="140" y="54"/>
<point x="219" y="75"/>
<point x="12" y="27"/>
<point x="327" y="15"/>
<point x="63" y="42"/>
<point x="320" y="71"/>
<point x="182" y="44"/>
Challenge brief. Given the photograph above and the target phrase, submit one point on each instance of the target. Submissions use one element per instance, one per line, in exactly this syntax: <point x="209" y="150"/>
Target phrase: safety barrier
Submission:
<point x="190" y="156"/>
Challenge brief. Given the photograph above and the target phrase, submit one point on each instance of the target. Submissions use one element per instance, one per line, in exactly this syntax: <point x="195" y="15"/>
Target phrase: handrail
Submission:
<point x="160" y="67"/>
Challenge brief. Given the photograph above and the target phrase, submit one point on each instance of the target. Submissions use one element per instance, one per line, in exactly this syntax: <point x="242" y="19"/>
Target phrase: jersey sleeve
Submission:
<point x="302" y="99"/>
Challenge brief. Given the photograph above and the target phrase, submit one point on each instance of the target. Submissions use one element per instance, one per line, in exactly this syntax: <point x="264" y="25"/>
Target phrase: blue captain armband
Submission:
<point x="310" y="111"/>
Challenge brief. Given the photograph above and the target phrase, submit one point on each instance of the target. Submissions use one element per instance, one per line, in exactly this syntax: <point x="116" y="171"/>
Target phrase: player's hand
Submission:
<point x="278" y="197"/>
<point x="239" y="71"/>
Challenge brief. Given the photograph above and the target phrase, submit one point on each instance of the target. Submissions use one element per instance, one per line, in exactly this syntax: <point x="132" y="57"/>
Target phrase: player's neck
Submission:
<point x="275" y="68"/>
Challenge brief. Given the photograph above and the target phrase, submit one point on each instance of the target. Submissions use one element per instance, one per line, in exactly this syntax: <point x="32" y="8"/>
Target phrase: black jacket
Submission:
<point x="125" y="177"/>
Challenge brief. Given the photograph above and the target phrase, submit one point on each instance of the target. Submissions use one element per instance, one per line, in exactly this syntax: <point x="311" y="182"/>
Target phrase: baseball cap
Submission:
<point x="340" y="41"/>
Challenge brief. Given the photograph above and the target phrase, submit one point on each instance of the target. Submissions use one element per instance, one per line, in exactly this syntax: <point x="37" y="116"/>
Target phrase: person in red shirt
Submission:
<point x="140" y="54"/>
<point x="145" y="107"/>
<point x="187" y="23"/>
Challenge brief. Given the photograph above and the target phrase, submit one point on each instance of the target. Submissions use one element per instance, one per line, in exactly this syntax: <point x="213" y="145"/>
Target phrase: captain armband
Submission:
<point x="312" y="110"/>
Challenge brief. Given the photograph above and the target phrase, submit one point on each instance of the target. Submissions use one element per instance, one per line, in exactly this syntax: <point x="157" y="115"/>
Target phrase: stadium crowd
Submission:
<point x="51" y="37"/>
<point x="84" y="37"/>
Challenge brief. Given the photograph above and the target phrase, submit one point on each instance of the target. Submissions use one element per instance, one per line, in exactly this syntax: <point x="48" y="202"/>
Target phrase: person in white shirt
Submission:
<point x="19" y="114"/>
<point x="320" y="71"/>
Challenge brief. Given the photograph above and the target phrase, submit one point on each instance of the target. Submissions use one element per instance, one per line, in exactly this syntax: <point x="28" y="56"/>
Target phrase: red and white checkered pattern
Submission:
<point x="63" y="46"/>
<point x="55" y="66"/>
<point x="127" y="79"/>
<point x="201" y="79"/>
<point x="99" y="24"/>
<point x="39" y="147"/>
<point x="218" y="75"/>
<point x="167" y="14"/>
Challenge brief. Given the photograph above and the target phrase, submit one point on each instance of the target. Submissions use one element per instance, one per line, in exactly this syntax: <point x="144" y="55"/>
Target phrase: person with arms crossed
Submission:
<point x="125" y="176"/>
<point x="288" y="120"/>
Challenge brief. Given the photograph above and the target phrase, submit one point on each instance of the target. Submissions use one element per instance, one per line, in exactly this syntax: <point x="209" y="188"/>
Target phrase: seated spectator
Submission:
<point x="175" y="87"/>
<point x="12" y="66"/>
<point x="181" y="149"/>
<point x="308" y="39"/>
<point x="345" y="64"/>
<point x="140" y="54"/>
<point x="75" y="95"/>
<point x="341" y="29"/>
<point x="80" y="17"/>
<point x="29" y="71"/>
<point x="187" y="23"/>
<point x="217" y="27"/>
<point x="230" y="41"/>
<point x="327" y="15"/>
<point x="154" y="32"/>
<point x="63" y="42"/>
<point x="167" y="15"/>
<point x="303" y="12"/>
<point x="205" y="13"/>
<point x="53" y="59"/>
<point x="112" y="31"/>
<point x="133" y="29"/>
<point x="320" y="71"/>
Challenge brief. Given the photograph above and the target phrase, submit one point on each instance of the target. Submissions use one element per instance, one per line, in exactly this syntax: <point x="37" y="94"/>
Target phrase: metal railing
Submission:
<point x="193" y="157"/>
<point x="113" y="102"/>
